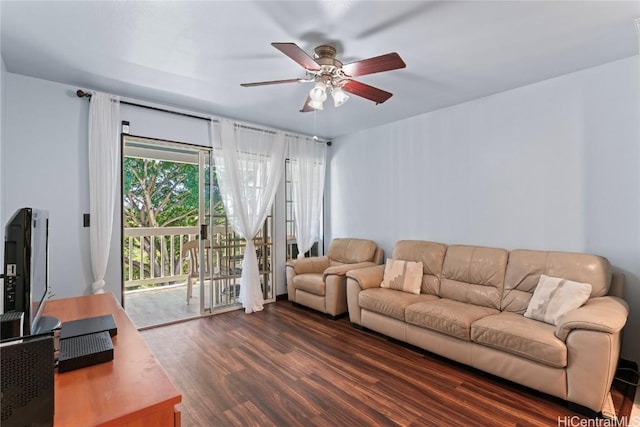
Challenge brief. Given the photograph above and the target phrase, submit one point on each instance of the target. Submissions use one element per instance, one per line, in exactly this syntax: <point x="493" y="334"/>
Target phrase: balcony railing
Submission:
<point x="153" y="255"/>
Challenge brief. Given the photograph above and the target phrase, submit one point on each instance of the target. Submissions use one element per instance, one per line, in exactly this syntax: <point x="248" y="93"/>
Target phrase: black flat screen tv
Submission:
<point x="26" y="269"/>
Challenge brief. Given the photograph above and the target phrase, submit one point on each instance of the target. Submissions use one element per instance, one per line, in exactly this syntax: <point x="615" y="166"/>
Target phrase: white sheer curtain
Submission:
<point x="104" y="161"/>
<point x="249" y="165"/>
<point x="307" y="162"/>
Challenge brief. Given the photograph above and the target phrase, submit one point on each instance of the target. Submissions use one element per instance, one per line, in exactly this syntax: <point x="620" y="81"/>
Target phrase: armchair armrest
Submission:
<point x="309" y="265"/>
<point x="370" y="277"/>
<point x="341" y="270"/>
<point x="604" y="314"/>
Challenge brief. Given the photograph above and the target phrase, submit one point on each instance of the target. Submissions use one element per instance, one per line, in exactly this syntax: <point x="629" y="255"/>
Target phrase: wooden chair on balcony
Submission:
<point x="191" y="251"/>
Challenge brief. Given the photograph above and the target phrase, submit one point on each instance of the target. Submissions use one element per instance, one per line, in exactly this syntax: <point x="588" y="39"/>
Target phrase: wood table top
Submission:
<point x="117" y="391"/>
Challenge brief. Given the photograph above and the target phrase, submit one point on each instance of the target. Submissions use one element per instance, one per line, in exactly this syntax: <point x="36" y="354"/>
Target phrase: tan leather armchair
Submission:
<point x="321" y="282"/>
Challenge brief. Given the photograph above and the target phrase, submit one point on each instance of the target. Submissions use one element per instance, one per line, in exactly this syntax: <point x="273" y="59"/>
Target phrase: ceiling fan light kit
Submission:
<point x="318" y="95"/>
<point x="339" y="96"/>
<point x="329" y="73"/>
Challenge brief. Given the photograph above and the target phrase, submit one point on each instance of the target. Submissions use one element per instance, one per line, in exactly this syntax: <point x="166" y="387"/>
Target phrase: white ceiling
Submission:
<point x="195" y="54"/>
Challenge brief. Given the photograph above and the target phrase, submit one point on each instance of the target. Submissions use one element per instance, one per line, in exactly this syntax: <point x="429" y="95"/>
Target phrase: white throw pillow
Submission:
<point x="554" y="297"/>
<point x="405" y="276"/>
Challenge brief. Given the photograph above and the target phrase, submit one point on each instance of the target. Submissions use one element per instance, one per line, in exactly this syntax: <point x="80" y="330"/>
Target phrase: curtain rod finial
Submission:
<point x="82" y="94"/>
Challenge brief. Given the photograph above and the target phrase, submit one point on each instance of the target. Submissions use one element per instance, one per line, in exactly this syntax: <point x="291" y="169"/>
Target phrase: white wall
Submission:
<point x="554" y="165"/>
<point x="45" y="166"/>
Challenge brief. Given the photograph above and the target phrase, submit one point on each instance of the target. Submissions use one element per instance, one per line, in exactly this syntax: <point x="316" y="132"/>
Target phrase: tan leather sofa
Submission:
<point x="470" y="309"/>
<point x="321" y="282"/>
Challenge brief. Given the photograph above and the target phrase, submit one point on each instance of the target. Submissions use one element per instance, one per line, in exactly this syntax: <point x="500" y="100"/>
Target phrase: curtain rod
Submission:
<point x="82" y="94"/>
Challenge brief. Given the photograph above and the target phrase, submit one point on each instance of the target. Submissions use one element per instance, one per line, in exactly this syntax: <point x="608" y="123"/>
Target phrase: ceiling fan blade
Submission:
<point x="271" y="82"/>
<point x="300" y="56"/>
<point x="369" y="92"/>
<point x="390" y="61"/>
<point x="306" y="107"/>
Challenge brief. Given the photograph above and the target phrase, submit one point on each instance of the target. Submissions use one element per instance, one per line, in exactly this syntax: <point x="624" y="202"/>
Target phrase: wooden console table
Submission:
<point x="132" y="390"/>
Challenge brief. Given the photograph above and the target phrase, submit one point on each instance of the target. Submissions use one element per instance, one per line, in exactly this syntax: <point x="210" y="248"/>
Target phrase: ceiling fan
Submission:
<point x="330" y="74"/>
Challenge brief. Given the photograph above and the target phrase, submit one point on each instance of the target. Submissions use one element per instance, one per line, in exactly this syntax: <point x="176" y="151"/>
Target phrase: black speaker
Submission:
<point x="26" y="382"/>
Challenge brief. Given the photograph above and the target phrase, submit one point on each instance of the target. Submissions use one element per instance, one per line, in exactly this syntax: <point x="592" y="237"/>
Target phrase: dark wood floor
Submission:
<point x="289" y="366"/>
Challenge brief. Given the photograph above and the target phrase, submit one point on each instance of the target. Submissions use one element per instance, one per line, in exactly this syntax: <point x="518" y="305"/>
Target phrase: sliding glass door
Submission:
<point x="181" y="258"/>
<point x="226" y="248"/>
<point x="159" y="216"/>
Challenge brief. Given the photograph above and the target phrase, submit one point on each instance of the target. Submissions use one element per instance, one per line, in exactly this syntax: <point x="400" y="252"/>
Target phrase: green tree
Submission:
<point x="160" y="193"/>
<point x="157" y="194"/>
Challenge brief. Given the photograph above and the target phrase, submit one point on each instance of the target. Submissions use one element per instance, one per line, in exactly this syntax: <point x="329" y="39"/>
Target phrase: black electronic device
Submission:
<point x="11" y="325"/>
<point x="89" y="325"/>
<point x="84" y="350"/>
<point x="26" y="381"/>
<point x="26" y="269"/>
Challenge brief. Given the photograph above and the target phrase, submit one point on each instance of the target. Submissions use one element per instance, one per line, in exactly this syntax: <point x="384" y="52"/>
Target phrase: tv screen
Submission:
<point x="26" y="268"/>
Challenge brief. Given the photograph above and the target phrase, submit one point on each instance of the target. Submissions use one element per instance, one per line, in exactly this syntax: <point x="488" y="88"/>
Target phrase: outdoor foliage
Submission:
<point x="159" y="194"/>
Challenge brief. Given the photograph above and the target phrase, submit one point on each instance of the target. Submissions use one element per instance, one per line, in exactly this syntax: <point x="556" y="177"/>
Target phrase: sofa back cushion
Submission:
<point x="430" y="254"/>
<point x="526" y="266"/>
<point x="351" y="251"/>
<point x="474" y="274"/>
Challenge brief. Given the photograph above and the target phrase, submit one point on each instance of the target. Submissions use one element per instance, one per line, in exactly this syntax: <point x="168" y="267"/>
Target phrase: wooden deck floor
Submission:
<point x="289" y="366"/>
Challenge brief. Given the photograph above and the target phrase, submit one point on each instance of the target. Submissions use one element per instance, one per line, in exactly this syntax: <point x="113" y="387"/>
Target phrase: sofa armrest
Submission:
<point x="616" y="289"/>
<point x="370" y="277"/>
<point x="342" y="269"/>
<point x="309" y="265"/>
<point x="603" y="314"/>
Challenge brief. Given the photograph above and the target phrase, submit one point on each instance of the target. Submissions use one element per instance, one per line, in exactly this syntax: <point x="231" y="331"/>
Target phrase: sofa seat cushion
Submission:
<point x="447" y="316"/>
<point x="513" y="333"/>
<point x="310" y="282"/>
<point x="389" y="302"/>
